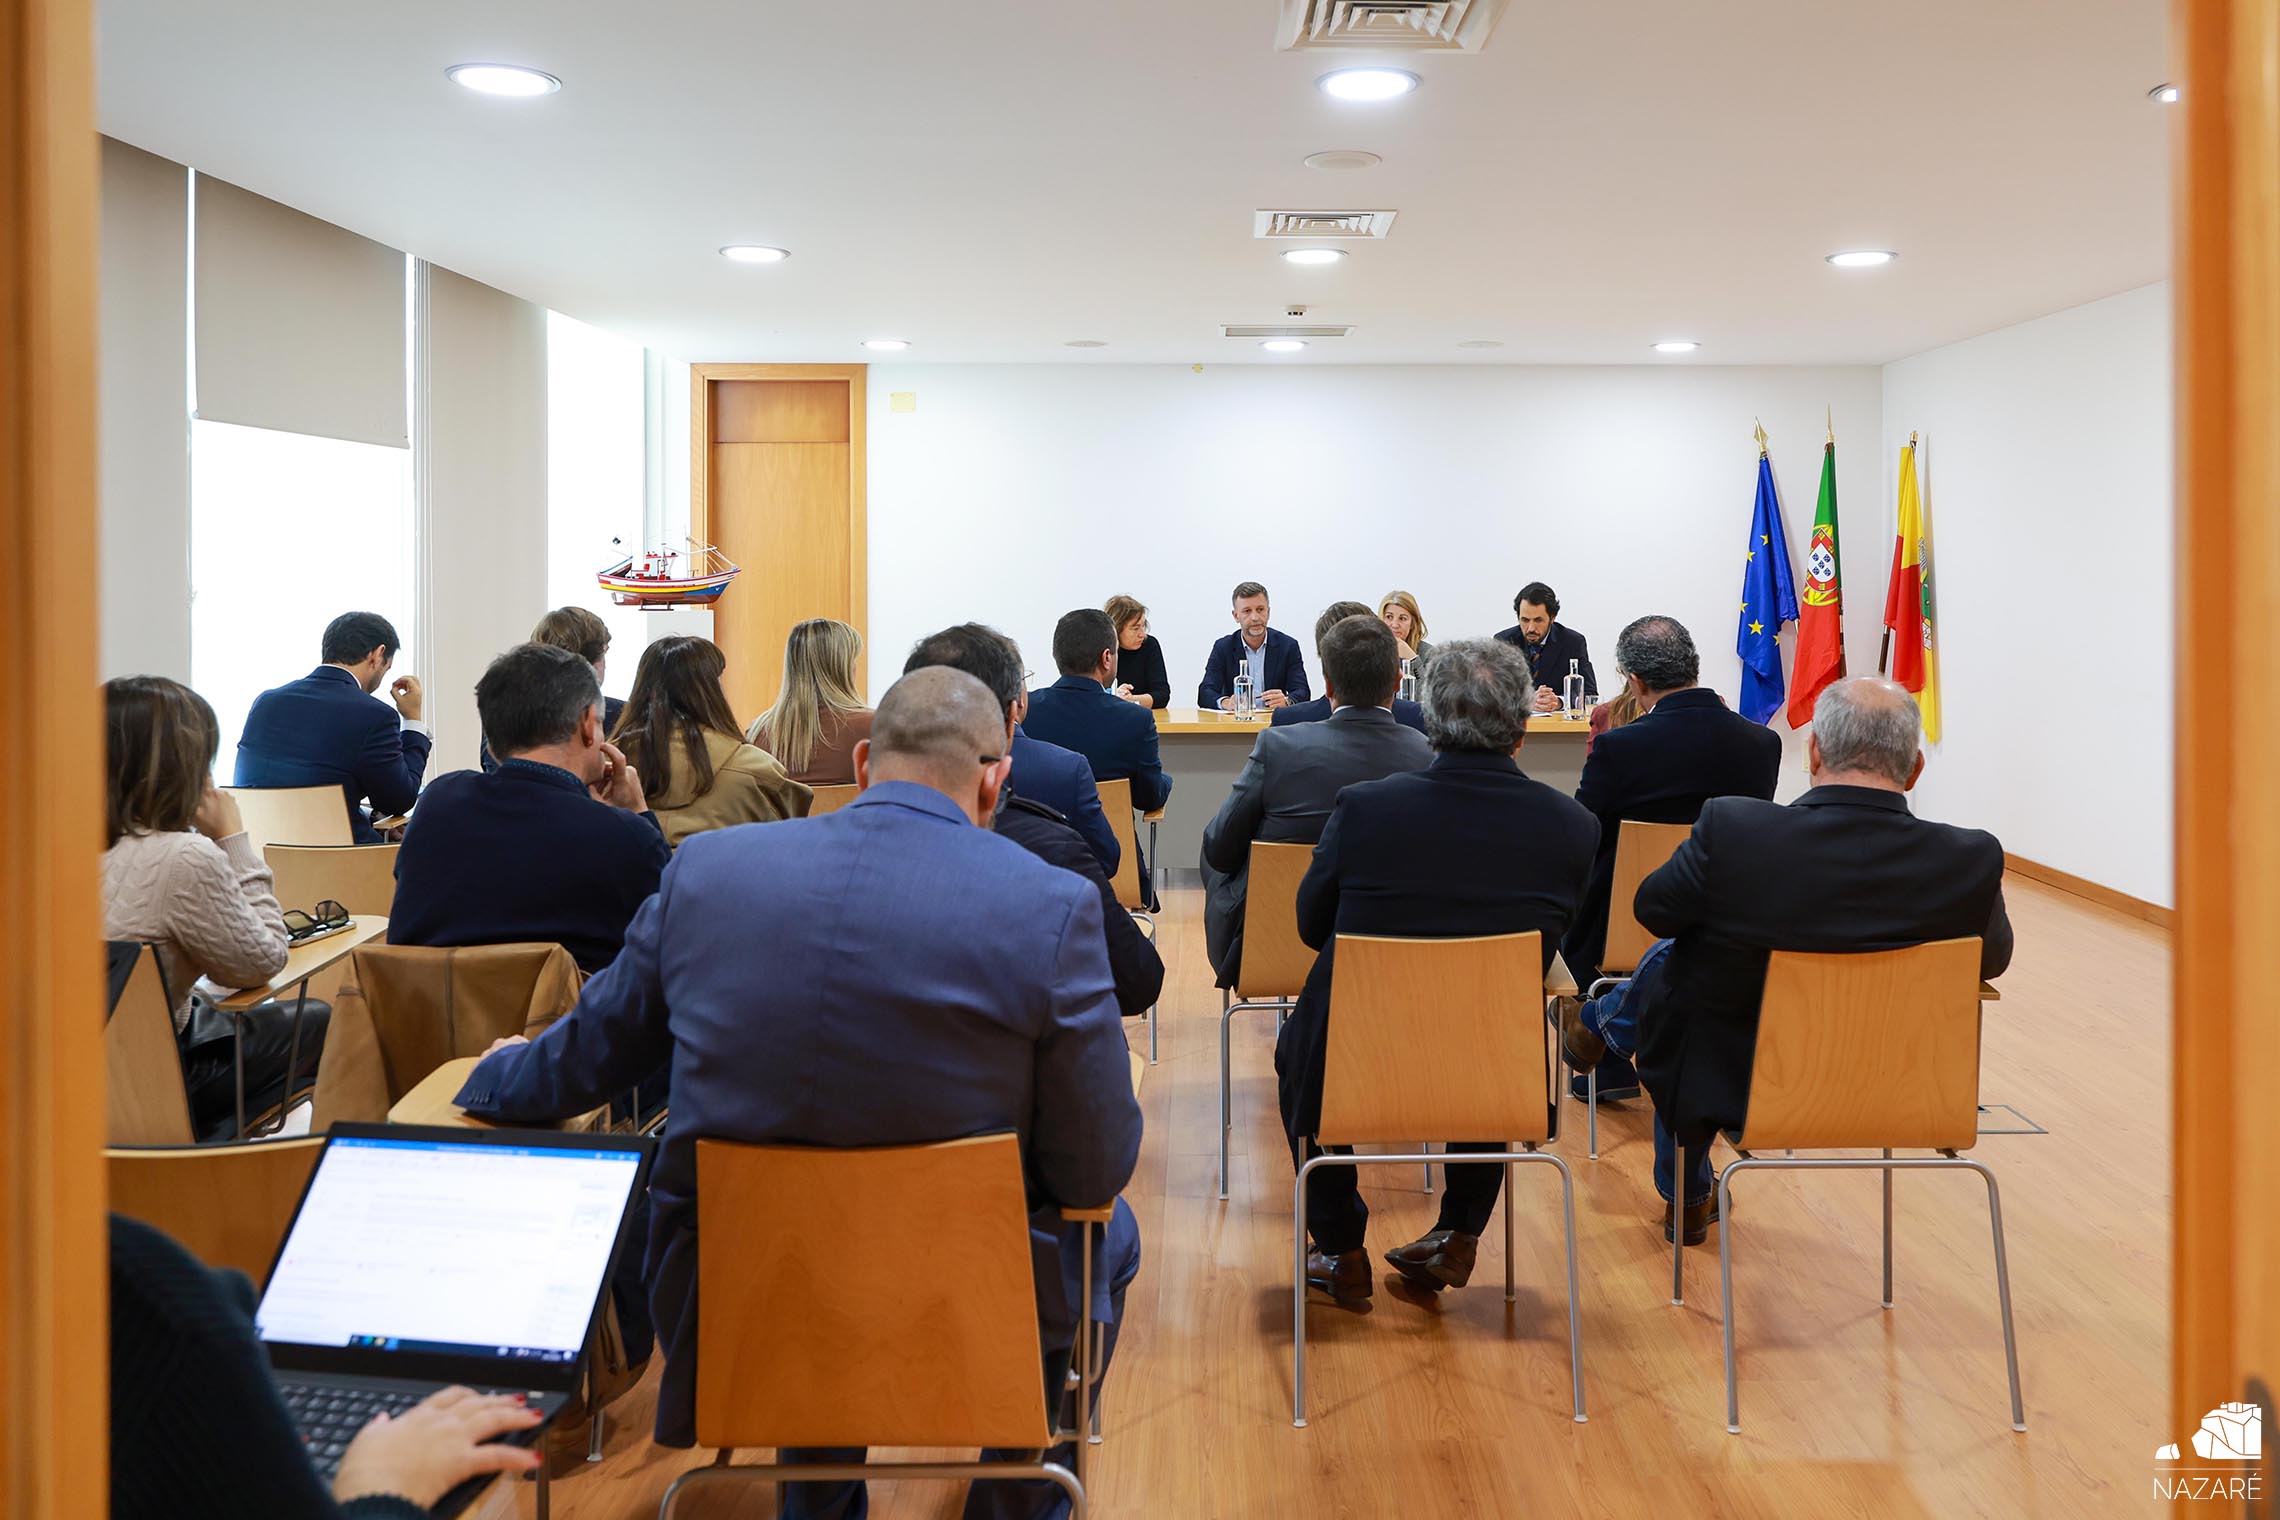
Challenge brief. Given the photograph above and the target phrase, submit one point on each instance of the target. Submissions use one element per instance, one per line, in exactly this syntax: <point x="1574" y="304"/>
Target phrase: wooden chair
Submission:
<point x="293" y="814"/>
<point x="830" y="799"/>
<point x="810" y="1335"/>
<point x="1274" y="964"/>
<point x="1877" y="1050"/>
<point x="360" y="877"/>
<point x="1640" y="851"/>
<point x="1116" y="802"/>
<point x="1438" y="1036"/>
<point x="146" y="1101"/>
<point x="228" y="1204"/>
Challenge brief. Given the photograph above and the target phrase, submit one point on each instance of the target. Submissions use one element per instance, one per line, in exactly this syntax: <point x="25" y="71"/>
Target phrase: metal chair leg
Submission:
<point x="1726" y="1283"/>
<point x="2003" y="1291"/>
<point x="1888" y="1230"/>
<point x="1427" y="1148"/>
<point x="1510" y="1296"/>
<point x="596" y="1418"/>
<point x="1575" y="1287"/>
<point x="1226" y="1093"/>
<point x="1678" y="1249"/>
<point x="1591" y="1106"/>
<point x="1298" y="1294"/>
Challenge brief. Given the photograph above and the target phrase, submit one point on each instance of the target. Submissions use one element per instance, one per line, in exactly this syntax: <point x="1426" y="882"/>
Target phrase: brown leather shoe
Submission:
<point x="1582" y="1049"/>
<point x="1345" y="1277"/>
<point x="1443" y="1259"/>
<point x="1700" y="1215"/>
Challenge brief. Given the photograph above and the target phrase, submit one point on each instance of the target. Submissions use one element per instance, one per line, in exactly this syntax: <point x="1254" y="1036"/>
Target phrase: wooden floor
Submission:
<point x="1461" y="1409"/>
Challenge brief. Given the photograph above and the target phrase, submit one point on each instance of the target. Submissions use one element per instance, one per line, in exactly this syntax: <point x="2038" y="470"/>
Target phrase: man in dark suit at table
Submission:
<point x="1550" y="645"/>
<point x="1294" y="774"/>
<point x="1844" y="868"/>
<point x="889" y="974"/>
<point x="1268" y="656"/>
<point x="1685" y="748"/>
<point x="1081" y="712"/>
<point x="1469" y="846"/>
<point x="327" y="729"/>
<point x="1405" y="712"/>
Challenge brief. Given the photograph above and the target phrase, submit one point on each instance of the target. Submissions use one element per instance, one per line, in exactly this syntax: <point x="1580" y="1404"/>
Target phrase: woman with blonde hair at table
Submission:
<point x="1400" y="612"/>
<point x="818" y="717"/>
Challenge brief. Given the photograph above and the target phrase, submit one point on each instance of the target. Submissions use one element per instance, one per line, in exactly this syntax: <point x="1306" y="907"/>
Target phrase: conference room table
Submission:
<point x="1204" y="752"/>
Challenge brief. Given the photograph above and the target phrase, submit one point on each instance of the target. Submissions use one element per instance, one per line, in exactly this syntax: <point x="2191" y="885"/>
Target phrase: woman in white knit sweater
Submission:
<point x="181" y="874"/>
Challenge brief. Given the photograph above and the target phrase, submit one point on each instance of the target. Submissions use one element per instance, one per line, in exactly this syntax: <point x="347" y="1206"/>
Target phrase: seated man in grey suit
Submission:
<point x="1287" y="787"/>
<point x="890" y="974"/>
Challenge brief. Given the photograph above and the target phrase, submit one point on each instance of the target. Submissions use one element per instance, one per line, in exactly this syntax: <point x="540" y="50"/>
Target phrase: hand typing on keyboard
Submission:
<point x="423" y="1452"/>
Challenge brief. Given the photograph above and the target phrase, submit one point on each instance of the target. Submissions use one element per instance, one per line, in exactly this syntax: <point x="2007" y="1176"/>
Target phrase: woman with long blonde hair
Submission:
<point x="1400" y="612"/>
<point x="818" y="716"/>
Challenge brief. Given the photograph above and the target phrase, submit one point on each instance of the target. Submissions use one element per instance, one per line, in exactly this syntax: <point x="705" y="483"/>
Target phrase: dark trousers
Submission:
<point x="1614" y="1018"/>
<point x="1116" y="1260"/>
<point x="209" y="1062"/>
<point x="1337" y="1218"/>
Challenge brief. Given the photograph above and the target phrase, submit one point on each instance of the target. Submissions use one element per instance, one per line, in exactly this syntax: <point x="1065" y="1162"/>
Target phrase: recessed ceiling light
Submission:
<point x="886" y="345"/>
<point x="1677" y="346"/>
<point x="1481" y="343"/>
<point x="503" y="79"/>
<point x="1367" y="84"/>
<point x="1313" y="255"/>
<point x="2165" y="93"/>
<point x="1862" y="258"/>
<point x="754" y="253"/>
<point x="1086" y="343"/>
<point x="1283" y="345"/>
<point x="1343" y="158"/>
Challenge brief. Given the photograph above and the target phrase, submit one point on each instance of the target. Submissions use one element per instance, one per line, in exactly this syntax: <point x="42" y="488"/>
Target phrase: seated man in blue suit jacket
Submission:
<point x="1081" y="712"/>
<point x="326" y="729"/>
<point x="889" y="974"/>
<point x="1405" y="712"/>
<point x="1269" y="657"/>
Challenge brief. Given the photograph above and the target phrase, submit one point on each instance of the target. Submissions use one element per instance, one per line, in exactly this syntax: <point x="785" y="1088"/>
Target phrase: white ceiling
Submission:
<point x="990" y="180"/>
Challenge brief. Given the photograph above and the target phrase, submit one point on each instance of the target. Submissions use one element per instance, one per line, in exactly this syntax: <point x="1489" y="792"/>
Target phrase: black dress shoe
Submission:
<point x="1443" y="1259"/>
<point x="1581" y="1048"/>
<point x="1345" y="1277"/>
<point x="1700" y="1215"/>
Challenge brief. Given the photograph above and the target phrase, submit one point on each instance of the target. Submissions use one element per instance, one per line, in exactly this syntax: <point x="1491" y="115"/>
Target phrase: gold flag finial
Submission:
<point x="1832" y="414"/>
<point x="1911" y="437"/>
<point x="1760" y="430"/>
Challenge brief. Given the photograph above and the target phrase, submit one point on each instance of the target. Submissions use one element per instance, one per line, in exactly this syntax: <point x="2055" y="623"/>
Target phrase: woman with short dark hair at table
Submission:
<point x="679" y="735"/>
<point x="1401" y="614"/>
<point x="818" y="718"/>
<point x="1141" y="678"/>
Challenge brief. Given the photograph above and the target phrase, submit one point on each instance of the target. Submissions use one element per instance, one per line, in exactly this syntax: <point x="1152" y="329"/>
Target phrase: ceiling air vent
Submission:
<point x="1321" y="224"/>
<point x="1284" y="330"/>
<point x="1460" y="26"/>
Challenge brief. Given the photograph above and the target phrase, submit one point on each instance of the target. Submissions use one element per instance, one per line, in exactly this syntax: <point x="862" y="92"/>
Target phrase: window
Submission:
<point x="595" y="472"/>
<point x="288" y="531"/>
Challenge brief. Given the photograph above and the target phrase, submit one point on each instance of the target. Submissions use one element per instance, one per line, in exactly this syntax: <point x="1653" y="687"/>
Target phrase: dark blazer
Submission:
<point x="1661" y="768"/>
<point x="1470" y="846"/>
<point x="611" y="707"/>
<point x="1143" y="670"/>
<point x="884" y="975"/>
<point x="1286" y="669"/>
<point x="1132" y="957"/>
<point x="1116" y="738"/>
<point x="1405" y="712"/>
<point x="524" y="854"/>
<point x="1843" y="868"/>
<point x="1284" y="795"/>
<point x="197" y="1429"/>
<point x="1549" y="661"/>
<point x="1063" y="781"/>
<point x="325" y="730"/>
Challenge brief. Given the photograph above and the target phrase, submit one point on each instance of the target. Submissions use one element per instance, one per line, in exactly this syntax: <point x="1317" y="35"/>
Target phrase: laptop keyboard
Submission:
<point x="329" y="1416"/>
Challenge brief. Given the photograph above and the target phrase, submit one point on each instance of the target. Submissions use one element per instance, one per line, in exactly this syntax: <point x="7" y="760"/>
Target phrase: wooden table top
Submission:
<point x="430" y="1102"/>
<point x="305" y="961"/>
<point x="1190" y="720"/>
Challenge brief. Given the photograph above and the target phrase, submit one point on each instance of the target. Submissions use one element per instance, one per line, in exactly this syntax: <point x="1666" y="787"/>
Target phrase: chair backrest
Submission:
<point x="145" y="1100"/>
<point x="1640" y="850"/>
<point x="830" y="799"/>
<point x="227" y="1204"/>
<point x="1437" y="1038"/>
<point x="812" y="1329"/>
<point x="360" y="877"/>
<point x="293" y="815"/>
<point x="1275" y="959"/>
<point x="1879" y="1048"/>
<point x="407" y="1009"/>
<point x="1116" y="802"/>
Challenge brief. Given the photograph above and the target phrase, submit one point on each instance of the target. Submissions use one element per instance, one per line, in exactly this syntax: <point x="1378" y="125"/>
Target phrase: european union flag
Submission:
<point x="1769" y="599"/>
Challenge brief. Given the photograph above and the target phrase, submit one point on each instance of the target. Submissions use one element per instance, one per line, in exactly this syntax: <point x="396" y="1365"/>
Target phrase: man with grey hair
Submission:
<point x="1844" y="868"/>
<point x="1683" y="749"/>
<point x="1468" y="846"/>
<point x="889" y="974"/>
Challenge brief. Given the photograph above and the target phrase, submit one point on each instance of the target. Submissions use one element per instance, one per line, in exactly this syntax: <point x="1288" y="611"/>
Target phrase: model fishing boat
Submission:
<point x="669" y="578"/>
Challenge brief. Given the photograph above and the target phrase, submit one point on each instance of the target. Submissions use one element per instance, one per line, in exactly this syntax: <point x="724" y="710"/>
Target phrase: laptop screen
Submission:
<point x="462" y="1249"/>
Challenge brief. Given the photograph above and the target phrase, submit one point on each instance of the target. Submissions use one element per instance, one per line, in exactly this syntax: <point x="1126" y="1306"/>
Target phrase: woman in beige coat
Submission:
<point x="679" y="735"/>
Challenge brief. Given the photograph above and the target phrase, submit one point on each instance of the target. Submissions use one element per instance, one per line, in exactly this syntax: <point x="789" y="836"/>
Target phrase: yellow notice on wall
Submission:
<point x="902" y="401"/>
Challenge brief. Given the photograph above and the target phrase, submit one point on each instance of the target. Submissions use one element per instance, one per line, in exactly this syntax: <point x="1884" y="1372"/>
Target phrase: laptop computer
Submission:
<point x="423" y="1257"/>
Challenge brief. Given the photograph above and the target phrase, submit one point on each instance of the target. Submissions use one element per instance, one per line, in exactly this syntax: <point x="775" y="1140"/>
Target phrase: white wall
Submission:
<point x="1015" y="493"/>
<point x="2045" y="459"/>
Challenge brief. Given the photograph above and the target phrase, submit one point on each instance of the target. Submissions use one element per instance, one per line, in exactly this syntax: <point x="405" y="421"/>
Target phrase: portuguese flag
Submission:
<point x="1821" y="624"/>
<point x="1908" y="600"/>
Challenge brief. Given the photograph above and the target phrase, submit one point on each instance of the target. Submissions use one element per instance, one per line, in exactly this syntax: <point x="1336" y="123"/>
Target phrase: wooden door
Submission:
<point x="54" y="1410"/>
<point x="2225" y="1296"/>
<point x="777" y="486"/>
